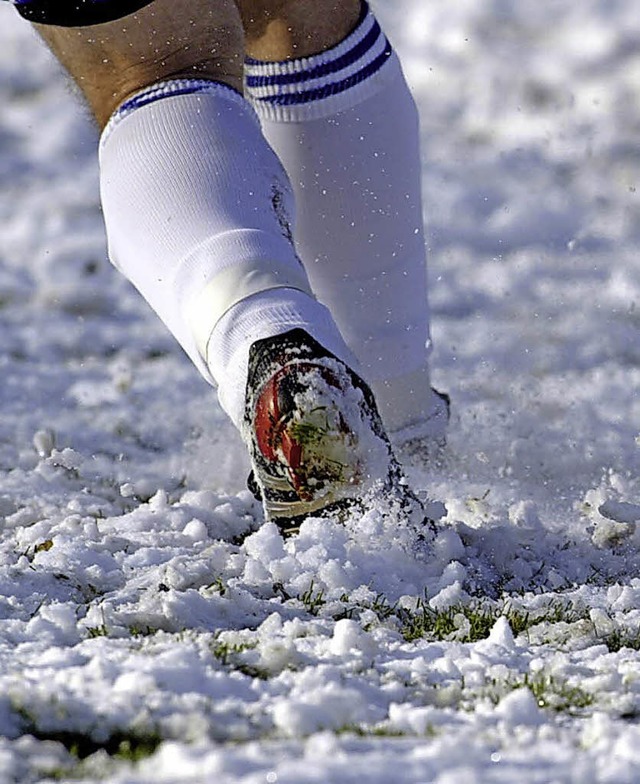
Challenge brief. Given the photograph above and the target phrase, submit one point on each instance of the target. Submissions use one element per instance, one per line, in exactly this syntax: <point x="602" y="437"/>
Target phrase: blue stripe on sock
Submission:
<point x="324" y="69"/>
<point x="293" y="99"/>
<point x="153" y="94"/>
<point x="364" y="10"/>
<point x="143" y="99"/>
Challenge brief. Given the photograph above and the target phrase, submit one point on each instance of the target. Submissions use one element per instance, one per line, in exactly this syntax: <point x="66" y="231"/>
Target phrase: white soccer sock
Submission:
<point x="198" y="214"/>
<point x="345" y="127"/>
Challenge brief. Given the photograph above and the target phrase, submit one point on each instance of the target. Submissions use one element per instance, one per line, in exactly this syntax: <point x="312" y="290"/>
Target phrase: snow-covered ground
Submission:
<point x="152" y="630"/>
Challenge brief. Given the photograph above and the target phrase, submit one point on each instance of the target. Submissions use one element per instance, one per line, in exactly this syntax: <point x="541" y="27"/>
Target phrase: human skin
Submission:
<point x="204" y="39"/>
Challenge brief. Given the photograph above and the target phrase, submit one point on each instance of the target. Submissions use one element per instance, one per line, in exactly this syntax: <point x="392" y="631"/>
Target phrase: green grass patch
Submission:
<point x="550" y="693"/>
<point x="468" y="623"/>
<point x="312" y="600"/>
<point x="462" y="622"/>
<point x="229" y="654"/>
<point x="128" y="746"/>
<point x="619" y="639"/>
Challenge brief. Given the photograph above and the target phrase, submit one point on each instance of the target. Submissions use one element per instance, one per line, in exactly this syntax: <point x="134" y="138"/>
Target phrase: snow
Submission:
<point x="145" y="608"/>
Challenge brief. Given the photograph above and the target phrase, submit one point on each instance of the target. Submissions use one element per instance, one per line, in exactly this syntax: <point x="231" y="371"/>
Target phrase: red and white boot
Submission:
<point x="315" y="437"/>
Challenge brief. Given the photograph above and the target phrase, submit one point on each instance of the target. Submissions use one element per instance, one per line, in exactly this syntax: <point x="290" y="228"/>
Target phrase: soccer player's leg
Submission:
<point x="345" y="126"/>
<point x="199" y="217"/>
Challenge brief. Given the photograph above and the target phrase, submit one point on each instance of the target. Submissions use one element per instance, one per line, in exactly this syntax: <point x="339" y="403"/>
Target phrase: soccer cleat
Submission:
<point x="315" y="437"/>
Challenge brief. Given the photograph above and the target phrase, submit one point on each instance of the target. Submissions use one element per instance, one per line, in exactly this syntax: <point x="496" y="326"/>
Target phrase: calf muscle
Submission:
<point x="286" y="29"/>
<point x="164" y="40"/>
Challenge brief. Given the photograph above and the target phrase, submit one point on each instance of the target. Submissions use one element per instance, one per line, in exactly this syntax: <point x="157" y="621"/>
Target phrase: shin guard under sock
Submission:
<point x="345" y="127"/>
